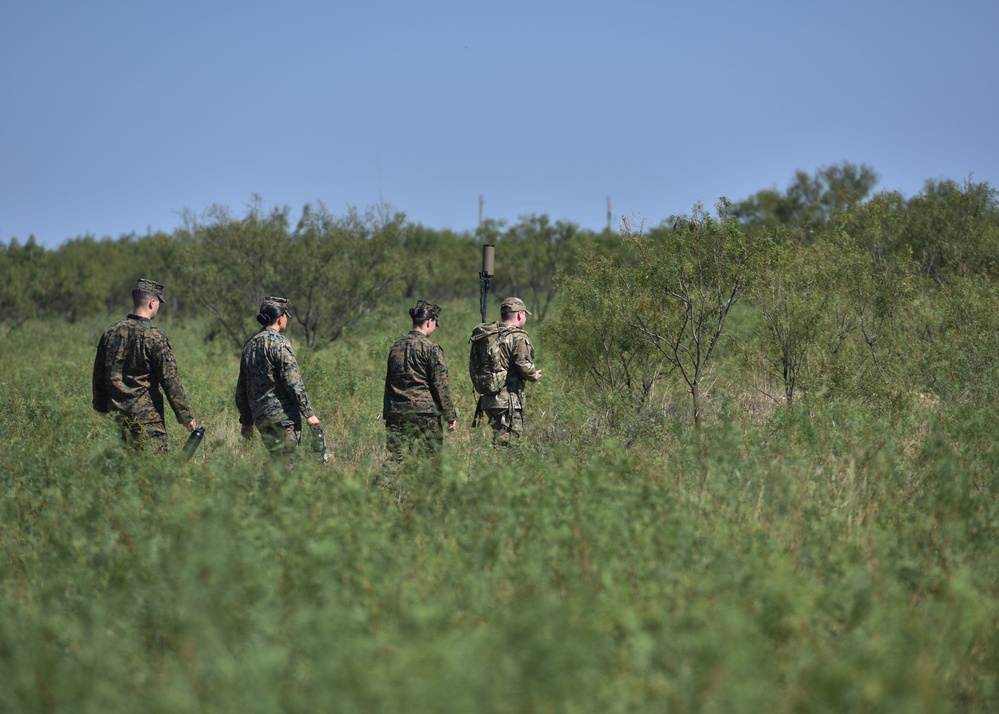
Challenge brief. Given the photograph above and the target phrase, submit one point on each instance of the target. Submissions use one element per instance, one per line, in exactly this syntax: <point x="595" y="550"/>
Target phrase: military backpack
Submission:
<point x="485" y="360"/>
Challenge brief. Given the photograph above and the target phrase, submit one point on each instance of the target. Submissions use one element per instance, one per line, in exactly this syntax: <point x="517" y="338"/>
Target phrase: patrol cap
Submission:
<point x="514" y="304"/>
<point x="433" y="311"/>
<point x="150" y="286"/>
<point x="275" y="302"/>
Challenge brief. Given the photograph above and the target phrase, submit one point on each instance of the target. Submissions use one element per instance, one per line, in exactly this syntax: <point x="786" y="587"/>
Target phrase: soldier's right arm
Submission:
<point x="522" y="357"/>
<point x="292" y="379"/>
<point x="169" y="376"/>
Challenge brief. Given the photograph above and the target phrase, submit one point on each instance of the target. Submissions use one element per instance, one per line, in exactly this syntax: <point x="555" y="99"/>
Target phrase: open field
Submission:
<point x="829" y="558"/>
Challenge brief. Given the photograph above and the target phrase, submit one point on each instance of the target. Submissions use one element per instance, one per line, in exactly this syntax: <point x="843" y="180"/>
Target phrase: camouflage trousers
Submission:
<point x="281" y="437"/>
<point x="407" y="434"/>
<point x="138" y="433"/>
<point x="507" y="425"/>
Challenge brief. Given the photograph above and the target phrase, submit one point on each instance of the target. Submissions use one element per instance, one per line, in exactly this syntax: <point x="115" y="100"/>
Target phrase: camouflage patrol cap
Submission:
<point x="433" y="311"/>
<point x="275" y="302"/>
<point x="514" y="304"/>
<point x="150" y="286"/>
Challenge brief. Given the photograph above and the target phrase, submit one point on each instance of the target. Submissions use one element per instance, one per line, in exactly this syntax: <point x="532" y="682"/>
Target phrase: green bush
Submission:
<point x="828" y="556"/>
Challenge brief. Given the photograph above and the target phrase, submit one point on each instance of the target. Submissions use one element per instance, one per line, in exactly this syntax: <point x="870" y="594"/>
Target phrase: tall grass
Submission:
<point x="816" y="559"/>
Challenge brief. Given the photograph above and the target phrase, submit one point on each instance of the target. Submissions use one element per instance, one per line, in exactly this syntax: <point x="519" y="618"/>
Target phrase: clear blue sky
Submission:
<point x="117" y="117"/>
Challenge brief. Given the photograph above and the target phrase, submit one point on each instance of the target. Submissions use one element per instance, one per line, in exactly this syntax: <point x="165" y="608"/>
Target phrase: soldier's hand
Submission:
<point x="193" y="425"/>
<point x="537" y="375"/>
<point x="452" y="425"/>
<point x="312" y="420"/>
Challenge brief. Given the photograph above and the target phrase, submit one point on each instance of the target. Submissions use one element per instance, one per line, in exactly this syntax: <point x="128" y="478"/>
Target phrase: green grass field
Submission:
<point x="822" y="559"/>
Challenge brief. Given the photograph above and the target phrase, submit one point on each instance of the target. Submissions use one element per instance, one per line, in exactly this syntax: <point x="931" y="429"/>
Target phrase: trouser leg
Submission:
<point x="280" y="437"/>
<point x="507" y="425"/>
<point x="138" y="433"/>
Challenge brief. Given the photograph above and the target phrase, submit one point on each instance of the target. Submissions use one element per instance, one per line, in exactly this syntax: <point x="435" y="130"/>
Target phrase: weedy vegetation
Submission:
<point x="814" y="531"/>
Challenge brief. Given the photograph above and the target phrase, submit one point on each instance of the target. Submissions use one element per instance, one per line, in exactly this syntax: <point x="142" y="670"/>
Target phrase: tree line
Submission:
<point x="875" y="299"/>
<point x="337" y="269"/>
<point x="841" y="289"/>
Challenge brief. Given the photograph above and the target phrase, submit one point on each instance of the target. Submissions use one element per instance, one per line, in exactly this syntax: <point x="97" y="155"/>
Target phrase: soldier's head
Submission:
<point x="422" y="315"/>
<point x="147" y="297"/>
<point x="514" y="311"/>
<point x="274" y="313"/>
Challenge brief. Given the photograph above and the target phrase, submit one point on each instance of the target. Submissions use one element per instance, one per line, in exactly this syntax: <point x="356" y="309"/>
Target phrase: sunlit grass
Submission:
<point x="820" y="559"/>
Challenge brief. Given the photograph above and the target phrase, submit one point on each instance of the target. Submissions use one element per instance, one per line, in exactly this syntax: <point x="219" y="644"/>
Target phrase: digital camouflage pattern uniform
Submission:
<point x="417" y="395"/>
<point x="506" y="408"/>
<point x="270" y="393"/>
<point x="134" y="362"/>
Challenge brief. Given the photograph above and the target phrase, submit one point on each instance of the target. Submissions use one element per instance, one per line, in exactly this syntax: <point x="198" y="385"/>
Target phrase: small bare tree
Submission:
<point x="685" y="284"/>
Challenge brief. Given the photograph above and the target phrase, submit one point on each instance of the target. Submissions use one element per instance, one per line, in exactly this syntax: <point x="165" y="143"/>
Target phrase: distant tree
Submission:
<point x="807" y="314"/>
<point x="953" y="229"/>
<point x="956" y="350"/>
<point x="439" y="265"/>
<point x="531" y="252"/>
<point x="616" y="364"/>
<point x="684" y="286"/>
<point x="810" y="201"/>
<point x="22" y="268"/>
<point x="339" y="269"/>
<point x="229" y="265"/>
<point x="333" y="270"/>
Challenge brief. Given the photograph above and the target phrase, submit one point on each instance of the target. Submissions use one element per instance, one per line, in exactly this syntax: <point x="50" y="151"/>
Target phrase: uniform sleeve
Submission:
<point x="170" y="380"/>
<point x="292" y="379"/>
<point x="385" y="394"/>
<point x="242" y="400"/>
<point x="440" y="385"/>
<point x="100" y="392"/>
<point x="522" y="358"/>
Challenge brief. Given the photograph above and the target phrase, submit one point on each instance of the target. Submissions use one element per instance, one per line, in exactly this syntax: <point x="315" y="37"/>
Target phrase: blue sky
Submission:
<point x="119" y="117"/>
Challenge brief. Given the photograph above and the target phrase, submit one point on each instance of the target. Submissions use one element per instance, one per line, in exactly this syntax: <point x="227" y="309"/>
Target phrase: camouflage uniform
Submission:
<point x="134" y="362"/>
<point x="270" y="392"/>
<point x="506" y="408"/>
<point x="417" y="394"/>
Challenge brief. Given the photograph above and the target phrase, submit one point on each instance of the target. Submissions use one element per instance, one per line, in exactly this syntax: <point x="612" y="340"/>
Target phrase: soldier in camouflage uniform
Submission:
<point x="506" y="408"/>
<point x="270" y="393"/>
<point x="133" y="363"/>
<point x="417" y="391"/>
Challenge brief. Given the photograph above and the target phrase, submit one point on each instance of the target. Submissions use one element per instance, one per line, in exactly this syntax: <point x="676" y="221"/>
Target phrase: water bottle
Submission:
<point x="193" y="441"/>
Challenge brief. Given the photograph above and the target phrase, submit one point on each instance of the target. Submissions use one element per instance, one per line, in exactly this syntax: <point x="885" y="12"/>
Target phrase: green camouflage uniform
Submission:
<point x="134" y="361"/>
<point x="417" y="394"/>
<point x="506" y="408"/>
<point x="270" y="392"/>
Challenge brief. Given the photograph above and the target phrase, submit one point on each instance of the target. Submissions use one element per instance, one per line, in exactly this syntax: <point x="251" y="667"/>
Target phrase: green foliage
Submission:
<point x="20" y="290"/>
<point x="535" y="250"/>
<point x="339" y="270"/>
<point x="810" y="201"/>
<point x="83" y="277"/>
<point x="823" y="559"/>
<point x="332" y="270"/>
<point x="954" y="230"/>
<point x="439" y="263"/>
<point x="834" y="553"/>
<point x="686" y="282"/>
<point x="229" y="265"/>
<point x="955" y="340"/>
<point x="615" y="367"/>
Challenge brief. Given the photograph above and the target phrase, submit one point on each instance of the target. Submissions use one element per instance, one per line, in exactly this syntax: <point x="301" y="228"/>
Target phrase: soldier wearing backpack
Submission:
<point x="500" y="364"/>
